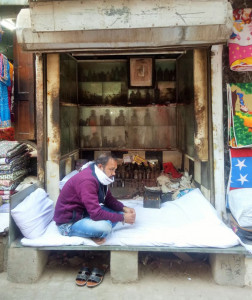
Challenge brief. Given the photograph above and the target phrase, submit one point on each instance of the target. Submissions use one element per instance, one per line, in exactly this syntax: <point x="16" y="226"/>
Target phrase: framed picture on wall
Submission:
<point x="141" y="72"/>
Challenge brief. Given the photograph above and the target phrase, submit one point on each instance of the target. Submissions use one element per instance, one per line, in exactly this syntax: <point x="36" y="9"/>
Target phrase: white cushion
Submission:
<point x="66" y="178"/>
<point x="240" y="204"/>
<point x="34" y="214"/>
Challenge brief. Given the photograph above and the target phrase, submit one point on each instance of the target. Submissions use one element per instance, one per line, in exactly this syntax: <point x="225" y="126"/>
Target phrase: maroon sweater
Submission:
<point x="79" y="198"/>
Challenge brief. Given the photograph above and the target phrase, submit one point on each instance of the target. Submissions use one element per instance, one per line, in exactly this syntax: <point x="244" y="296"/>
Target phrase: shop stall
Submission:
<point x="141" y="80"/>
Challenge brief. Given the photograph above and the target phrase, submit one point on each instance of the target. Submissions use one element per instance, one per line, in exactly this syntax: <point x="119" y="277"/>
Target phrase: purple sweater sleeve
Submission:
<point x="89" y="197"/>
<point x="112" y="202"/>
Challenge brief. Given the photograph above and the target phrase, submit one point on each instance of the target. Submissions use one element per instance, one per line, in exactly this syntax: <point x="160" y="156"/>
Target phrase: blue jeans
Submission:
<point x="89" y="228"/>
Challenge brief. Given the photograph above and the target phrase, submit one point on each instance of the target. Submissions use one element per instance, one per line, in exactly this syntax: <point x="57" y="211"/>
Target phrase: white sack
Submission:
<point x="240" y="204"/>
<point x="34" y="214"/>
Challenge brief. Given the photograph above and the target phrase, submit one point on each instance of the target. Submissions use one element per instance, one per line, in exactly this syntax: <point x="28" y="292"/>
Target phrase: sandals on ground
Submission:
<point x="82" y="276"/>
<point x="96" y="277"/>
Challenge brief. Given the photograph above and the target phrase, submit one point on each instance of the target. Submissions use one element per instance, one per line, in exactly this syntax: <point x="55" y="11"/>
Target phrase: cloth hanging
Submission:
<point x="240" y="42"/>
<point x="11" y="92"/>
<point x="240" y="176"/>
<point x="239" y="97"/>
<point x="4" y="83"/>
<point x="6" y="131"/>
<point x="241" y="168"/>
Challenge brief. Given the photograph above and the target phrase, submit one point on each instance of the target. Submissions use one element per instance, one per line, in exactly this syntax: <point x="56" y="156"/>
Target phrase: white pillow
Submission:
<point x="66" y="178"/>
<point x="34" y="214"/>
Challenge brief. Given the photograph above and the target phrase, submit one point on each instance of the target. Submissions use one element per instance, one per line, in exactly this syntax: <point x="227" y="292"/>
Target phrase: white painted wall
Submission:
<point x="14" y="2"/>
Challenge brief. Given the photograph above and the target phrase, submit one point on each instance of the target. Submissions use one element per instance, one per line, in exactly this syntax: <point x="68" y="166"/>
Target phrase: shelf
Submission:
<point x="128" y="149"/>
<point x="62" y="103"/>
<point x="118" y="81"/>
<point x="102" y="105"/>
<point x="104" y="125"/>
<point x="126" y="126"/>
<point x="166" y="80"/>
<point x="126" y="81"/>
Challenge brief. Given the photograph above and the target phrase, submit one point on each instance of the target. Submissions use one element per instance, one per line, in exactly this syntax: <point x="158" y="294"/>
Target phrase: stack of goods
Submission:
<point x="168" y="188"/>
<point x="173" y="188"/>
<point x="14" y="159"/>
<point x="136" y="172"/>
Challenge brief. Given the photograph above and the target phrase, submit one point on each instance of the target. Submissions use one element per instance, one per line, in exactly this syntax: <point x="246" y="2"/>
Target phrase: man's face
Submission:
<point x="110" y="168"/>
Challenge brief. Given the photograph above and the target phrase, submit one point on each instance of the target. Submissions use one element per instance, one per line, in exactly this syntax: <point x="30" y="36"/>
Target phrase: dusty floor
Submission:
<point x="161" y="276"/>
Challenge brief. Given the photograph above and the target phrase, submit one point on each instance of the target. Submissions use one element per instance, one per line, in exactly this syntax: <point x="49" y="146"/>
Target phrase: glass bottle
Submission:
<point x="106" y="118"/>
<point x="166" y="75"/>
<point x="147" y="119"/>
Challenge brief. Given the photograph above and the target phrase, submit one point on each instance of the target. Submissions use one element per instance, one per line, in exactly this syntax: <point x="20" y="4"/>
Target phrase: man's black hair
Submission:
<point x="104" y="158"/>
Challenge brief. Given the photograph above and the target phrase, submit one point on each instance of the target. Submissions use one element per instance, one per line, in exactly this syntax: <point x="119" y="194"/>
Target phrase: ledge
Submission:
<point x="231" y="250"/>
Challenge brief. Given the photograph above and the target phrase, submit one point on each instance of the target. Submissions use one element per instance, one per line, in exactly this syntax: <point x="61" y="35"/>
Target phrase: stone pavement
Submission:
<point x="160" y="277"/>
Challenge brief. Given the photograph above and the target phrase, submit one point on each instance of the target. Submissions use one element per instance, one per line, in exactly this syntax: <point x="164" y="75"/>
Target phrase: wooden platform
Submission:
<point x="15" y="237"/>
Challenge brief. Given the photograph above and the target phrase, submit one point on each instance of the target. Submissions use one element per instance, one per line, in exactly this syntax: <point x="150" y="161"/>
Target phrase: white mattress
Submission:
<point x="189" y="221"/>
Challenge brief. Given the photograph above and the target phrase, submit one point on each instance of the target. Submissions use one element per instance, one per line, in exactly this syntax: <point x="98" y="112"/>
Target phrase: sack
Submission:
<point x="33" y="214"/>
<point x="240" y="204"/>
<point x="244" y="233"/>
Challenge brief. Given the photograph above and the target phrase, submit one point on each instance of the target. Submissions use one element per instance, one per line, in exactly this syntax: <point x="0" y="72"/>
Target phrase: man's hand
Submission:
<point x="129" y="218"/>
<point x="129" y="210"/>
<point x="129" y="215"/>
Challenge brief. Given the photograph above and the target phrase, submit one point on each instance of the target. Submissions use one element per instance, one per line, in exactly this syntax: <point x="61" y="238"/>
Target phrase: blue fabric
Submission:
<point x="241" y="172"/>
<point x="183" y="192"/>
<point x="5" y="121"/>
<point x="89" y="228"/>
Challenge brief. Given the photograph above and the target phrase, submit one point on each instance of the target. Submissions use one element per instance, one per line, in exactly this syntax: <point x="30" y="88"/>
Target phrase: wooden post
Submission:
<point x="40" y="119"/>
<point x="200" y="104"/>
<point x="53" y="125"/>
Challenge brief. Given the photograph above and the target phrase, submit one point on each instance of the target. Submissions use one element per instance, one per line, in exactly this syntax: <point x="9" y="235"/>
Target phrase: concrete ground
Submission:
<point x="161" y="276"/>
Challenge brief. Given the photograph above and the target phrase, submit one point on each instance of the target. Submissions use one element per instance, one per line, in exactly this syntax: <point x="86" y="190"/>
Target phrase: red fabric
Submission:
<point x="169" y="168"/>
<point x="245" y="152"/>
<point x="7" y="134"/>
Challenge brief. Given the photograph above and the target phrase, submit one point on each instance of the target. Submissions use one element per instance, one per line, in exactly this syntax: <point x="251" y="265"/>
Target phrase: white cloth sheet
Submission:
<point x="189" y="221"/>
<point x="4" y="221"/>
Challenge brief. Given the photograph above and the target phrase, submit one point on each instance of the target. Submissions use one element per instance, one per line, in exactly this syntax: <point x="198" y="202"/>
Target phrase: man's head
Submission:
<point x="107" y="163"/>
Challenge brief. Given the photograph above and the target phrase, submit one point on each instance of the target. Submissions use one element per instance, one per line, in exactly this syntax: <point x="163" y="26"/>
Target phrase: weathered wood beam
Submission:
<point x="53" y="126"/>
<point x="118" y="14"/>
<point x="104" y="40"/>
<point x="74" y="25"/>
<point x="200" y="104"/>
<point x="40" y="111"/>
